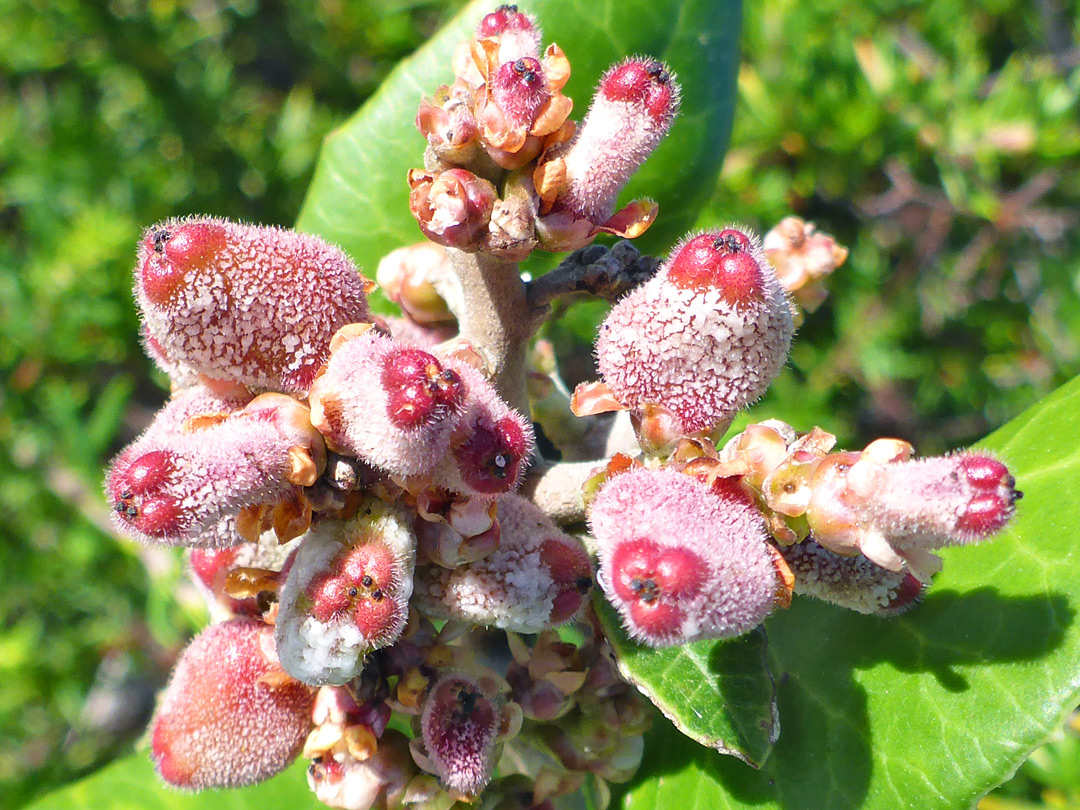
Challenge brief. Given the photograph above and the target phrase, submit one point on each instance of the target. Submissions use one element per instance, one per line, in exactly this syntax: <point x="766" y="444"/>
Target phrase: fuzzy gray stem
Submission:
<point x="497" y="320"/>
<point x="556" y="488"/>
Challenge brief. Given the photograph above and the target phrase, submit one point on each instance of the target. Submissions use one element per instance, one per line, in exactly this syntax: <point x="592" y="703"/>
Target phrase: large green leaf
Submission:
<point x="360" y="200"/>
<point x="719" y="693"/>
<point x="933" y="709"/>
<point x="131" y="784"/>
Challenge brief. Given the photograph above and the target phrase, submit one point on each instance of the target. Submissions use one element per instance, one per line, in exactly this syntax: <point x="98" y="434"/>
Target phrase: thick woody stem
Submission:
<point x="497" y="320"/>
<point x="596" y="271"/>
<point x="556" y="488"/>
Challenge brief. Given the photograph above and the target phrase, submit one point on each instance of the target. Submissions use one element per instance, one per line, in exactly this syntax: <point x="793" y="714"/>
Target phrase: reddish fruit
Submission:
<point x="459" y="725"/>
<point x="491" y="461"/>
<point x="644" y="82"/>
<point x="222" y="721"/>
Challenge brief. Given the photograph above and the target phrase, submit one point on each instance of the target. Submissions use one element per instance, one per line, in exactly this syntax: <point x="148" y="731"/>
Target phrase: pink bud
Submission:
<point x="630" y="114"/>
<point x="459" y="726"/>
<point x="703" y="338"/>
<point x="394" y="406"/>
<point x="537" y="578"/>
<point x="227" y="718"/>
<point x="854" y="583"/>
<point x="221" y="298"/>
<point x="185" y="487"/>
<point x="679" y="561"/>
<point x="346" y="594"/>
<point x="452" y="208"/>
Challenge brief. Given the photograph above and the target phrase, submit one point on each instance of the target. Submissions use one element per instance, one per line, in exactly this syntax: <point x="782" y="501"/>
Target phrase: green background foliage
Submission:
<point x="937" y="139"/>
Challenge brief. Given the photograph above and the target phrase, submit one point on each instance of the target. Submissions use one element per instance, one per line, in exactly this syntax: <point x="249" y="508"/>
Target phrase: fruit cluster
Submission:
<point x="363" y="499"/>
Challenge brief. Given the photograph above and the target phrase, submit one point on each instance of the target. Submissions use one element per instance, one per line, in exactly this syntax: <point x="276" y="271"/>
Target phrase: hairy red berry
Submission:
<point x="346" y="594"/>
<point x="679" y="561"/>
<point x="459" y="726"/>
<point x="702" y="339"/>
<point x="222" y="722"/>
<point x="723" y="261"/>
<point x="221" y="298"/>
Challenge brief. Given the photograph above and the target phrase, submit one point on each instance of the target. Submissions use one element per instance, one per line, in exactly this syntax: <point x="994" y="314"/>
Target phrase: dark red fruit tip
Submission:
<point x="490" y="462"/>
<point x="985" y="514"/>
<point x="719" y="261"/>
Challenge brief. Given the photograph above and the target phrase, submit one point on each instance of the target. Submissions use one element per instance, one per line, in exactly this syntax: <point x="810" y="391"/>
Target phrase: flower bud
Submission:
<point x="632" y="111"/>
<point x="449" y="123"/>
<point x="452" y="208"/>
<point x="682" y="562"/>
<point x="228" y="718"/>
<point x="414" y="277"/>
<point x="704" y="337"/>
<point x="459" y="726"/>
<point x="854" y="583"/>
<point x="538" y="577"/>
<point x="393" y="406"/>
<point x="187" y="488"/>
<point x="346" y="594"/>
<point x="221" y="298"/>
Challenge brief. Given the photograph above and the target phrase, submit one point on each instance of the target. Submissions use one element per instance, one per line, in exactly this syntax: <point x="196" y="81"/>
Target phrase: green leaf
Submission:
<point x="932" y="709"/>
<point x="131" y="784"/>
<point x="720" y="693"/>
<point x="360" y="200"/>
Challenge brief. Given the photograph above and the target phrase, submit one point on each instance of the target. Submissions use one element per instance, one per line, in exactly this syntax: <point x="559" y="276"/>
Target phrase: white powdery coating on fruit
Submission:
<point x="615" y="138"/>
<point x="215" y="472"/>
<point x="332" y="652"/>
<point x="350" y="406"/>
<point x="512" y="589"/>
<point x="854" y="583"/>
<point x="216" y="724"/>
<point x="692" y="351"/>
<point x="676" y="511"/>
<point x="262" y="311"/>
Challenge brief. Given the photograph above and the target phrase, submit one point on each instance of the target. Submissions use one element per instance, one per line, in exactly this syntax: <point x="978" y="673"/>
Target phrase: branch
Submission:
<point x="556" y="488"/>
<point x="496" y="319"/>
<point x="595" y="270"/>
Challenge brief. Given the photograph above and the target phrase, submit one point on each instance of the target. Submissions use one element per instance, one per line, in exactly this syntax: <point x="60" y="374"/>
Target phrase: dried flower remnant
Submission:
<point x="220" y="298"/>
<point x="680" y="561"/>
<point x="346" y="594"/>
<point x="418" y="278"/>
<point x="804" y="258"/>
<point x="228" y="718"/>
